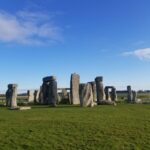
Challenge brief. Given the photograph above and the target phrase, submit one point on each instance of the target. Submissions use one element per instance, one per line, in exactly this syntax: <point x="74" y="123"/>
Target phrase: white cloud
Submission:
<point x="139" y="53"/>
<point x="28" y="28"/>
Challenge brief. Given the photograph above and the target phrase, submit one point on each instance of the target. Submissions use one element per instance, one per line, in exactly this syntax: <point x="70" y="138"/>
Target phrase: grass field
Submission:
<point x="126" y="126"/>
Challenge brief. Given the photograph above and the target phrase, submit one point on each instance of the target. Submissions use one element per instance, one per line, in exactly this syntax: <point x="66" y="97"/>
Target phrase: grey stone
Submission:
<point x="30" y="96"/>
<point x="45" y="92"/>
<point x="41" y="99"/>
<point x="11" y="96"/>
<point x="49" y="78"/>
<point x="36" y="96"/>
<point x="113" y="94"/>
<point x="107" y="93"/>
<point x="52" y="92"/>
<point x="86" y="95"/>
<point x="99" y="89"/>
<point x="134" y="94"/>
<point x="74" y="88"/>
<point x="129" y="93"/>
<point x="93" y="84"/>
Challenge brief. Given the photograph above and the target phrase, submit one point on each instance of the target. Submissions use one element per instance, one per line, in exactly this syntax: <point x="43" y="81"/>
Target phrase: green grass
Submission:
<point x="124" y="127"/>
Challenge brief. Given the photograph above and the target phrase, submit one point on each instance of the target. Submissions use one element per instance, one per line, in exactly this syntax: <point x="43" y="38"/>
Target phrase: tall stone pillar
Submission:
<point x="45" y="88"/>
<point x="30" y="96"/>
<point x="99" y="89"/>
<point x="93" y="84"/>
<point x="74" y="88"/>
<point x="36" y="96"/>
<point x="86" y="95"/>
<point x="113" y="94"/>
<point x="11" y="96"/>
<point x="52" y="93"/>
<point x="134" y="98"/>
<point x="129" y="93"/>
<point x="107" y="94"/>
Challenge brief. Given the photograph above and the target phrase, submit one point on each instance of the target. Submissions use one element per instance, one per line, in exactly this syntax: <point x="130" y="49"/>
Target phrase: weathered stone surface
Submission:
<point x="134" y="94"/>
<point x="36" y="96"/>
<point x="45" y="92"/>
<point x="52" y="92"/>
<point x="107" y="93"/>
<point x="86" y="95"/>
<point x="130" y="94"/>
<point x="113" y="94"/>
<point x="74" y="88"/>
<point x="11" y="96"/>
<point x="93" y="84"/>
<point x="41" y="99"/>
<point x="99" y="89"/>
<point x="48" y="92"/>
<point x="49" y="78"/>
<point x="30" y="94"/>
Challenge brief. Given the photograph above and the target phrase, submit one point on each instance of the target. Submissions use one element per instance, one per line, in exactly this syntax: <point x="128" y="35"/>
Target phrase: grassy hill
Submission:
<point x="126" y="126"/>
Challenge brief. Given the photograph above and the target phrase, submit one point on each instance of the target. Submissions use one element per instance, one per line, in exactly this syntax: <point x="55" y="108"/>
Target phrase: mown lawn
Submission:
<point x="126" y="126"/>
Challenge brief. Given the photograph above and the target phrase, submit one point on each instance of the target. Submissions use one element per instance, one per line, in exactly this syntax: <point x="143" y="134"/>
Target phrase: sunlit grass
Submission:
<point x="126" y="126"/>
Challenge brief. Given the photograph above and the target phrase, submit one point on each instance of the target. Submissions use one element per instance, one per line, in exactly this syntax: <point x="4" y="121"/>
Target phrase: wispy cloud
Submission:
<point x="26" y="27"/>
<point x="142" y="54"/>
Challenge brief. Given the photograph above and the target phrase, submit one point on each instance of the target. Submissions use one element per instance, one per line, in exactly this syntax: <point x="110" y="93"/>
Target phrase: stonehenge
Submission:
<point x="84" y="94"/>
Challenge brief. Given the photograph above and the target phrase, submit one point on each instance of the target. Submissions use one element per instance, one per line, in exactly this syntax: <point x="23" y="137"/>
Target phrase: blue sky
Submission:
<point x="89" y="37"/>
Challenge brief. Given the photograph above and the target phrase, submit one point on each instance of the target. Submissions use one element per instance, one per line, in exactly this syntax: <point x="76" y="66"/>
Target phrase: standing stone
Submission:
<point x="134" y="99"/>
<point x="93" y="84"/>
<point x="113" y="94"/>
<point x="36" y="96"/>
<point x="45" y="91"/>
<point x="41" y="101"/>
<point x="107" y="93"/>
<point x="30" y="96"/>
<point x="129" y="93"/>
<point x="86" y="95"/>
<point x="74" y="88"/>
<point x="11" y="96"/>
<point x="52" y="93"/>
<point x="99" y="89"/>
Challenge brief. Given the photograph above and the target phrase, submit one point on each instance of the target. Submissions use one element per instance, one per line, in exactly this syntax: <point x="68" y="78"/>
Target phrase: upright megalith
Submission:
<point x="107" y="93"/>
<point x="129" y="94"/>
<point x="93" y="85"/>
<point x="52" y="91"/>
<point x="48" y="91"/>
<point x="11" y="96"/>
<point x="36" y="96"/>
<point x="134" y="98"/>
<point x="74" y="88"/>
<point x="86" y="95"/>
<point x="99" y="89"/>
<point x="114" y="94"/>
<point x="30" y="96"/>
